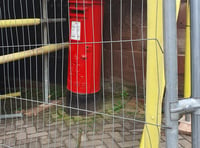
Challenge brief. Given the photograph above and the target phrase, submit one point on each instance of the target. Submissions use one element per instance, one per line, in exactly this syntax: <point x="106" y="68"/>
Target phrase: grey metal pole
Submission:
<point x="7" y="116"/>
<point x="170" y="53"/>
<point x="46" y="68"/>
<point x="195" y="61"/>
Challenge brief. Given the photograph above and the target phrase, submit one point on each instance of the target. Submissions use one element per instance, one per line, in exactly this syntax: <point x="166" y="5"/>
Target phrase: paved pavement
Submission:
<point x="39" y="131"/>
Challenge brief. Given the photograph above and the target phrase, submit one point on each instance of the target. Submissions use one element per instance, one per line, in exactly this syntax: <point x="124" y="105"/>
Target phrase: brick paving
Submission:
<point x="38" y="132"/>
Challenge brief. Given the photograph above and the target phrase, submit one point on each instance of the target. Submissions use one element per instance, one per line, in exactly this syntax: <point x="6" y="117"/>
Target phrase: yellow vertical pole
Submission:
<point x="155" y="81"/>
<point x="187" y="72"/>
<point x="155" y="75"/>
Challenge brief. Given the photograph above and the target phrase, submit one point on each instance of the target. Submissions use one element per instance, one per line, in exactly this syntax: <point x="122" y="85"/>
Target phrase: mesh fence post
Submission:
<point x="170" y="54"/>
<point x="195" y="56"/>
<point x="46" y="67"/>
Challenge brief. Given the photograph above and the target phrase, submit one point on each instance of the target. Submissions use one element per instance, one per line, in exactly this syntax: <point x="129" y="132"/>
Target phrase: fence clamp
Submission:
<point x="184" y="106"/>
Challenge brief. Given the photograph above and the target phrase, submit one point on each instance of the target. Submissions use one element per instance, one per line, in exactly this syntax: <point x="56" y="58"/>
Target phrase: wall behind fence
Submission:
<point x="138" y="46"/>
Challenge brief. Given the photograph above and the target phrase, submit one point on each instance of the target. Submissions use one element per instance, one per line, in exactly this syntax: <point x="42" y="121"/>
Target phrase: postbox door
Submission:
<point x="80" y="66"/>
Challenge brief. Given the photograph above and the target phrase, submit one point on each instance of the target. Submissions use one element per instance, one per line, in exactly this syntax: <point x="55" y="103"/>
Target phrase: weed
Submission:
<point x="124" y="94"/>
<point x="118" y="106"/>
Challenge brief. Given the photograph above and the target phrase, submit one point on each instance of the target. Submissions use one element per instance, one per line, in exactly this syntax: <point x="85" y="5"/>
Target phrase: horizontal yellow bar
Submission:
<point x="19" y="22"/>
<point x="32" y="52"/>
<point x="10" y="95"/>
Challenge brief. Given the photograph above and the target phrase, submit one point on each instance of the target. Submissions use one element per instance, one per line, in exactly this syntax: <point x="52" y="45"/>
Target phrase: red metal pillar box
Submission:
<point x="84" y="60"/>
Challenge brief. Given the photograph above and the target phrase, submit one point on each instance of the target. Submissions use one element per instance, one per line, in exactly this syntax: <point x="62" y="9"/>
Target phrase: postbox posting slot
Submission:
<point x="78" y="12"/>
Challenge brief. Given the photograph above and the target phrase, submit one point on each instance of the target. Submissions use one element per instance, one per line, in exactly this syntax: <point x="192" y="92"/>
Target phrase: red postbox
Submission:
<point x="84" y="59"/>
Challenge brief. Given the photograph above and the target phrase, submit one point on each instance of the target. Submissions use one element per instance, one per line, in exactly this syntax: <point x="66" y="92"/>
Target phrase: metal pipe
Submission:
<point x="27" y="22"/>
<point x="195" y="57"/>
<point x="19" y="22"/>
<point x="170" y="53"/>
<point x="10" y="95"/>
<point x="53" y="20"/>
<point x="32" y="52"/>
<point x="187" y="69"/>
<point x="11" y="116"/>
<point x="186" y="106"/>
<point x="46" y="68"/>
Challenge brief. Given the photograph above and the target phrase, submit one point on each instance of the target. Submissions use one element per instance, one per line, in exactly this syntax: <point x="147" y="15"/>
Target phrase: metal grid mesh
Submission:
<point x="117" y="121"/>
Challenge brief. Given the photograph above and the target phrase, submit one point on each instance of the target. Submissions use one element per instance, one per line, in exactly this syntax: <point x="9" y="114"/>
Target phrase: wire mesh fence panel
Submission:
<point x="73" y="73"/>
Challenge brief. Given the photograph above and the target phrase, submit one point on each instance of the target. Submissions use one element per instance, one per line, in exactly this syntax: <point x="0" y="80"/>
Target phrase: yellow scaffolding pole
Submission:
<point x="19" y="22"/>
<point x="32" y="52"/>
<point x="187" y="72"/>
<point x="10" y="95"/>
<point x="185" y="121"/>
<point x="155" y="79"/>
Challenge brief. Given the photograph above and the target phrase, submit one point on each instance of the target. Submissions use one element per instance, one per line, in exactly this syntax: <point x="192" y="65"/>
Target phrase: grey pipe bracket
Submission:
<point x="184" y="106"/>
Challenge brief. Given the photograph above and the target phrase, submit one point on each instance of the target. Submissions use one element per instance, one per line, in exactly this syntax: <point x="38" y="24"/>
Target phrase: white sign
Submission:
<point x="76" y="30"/>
